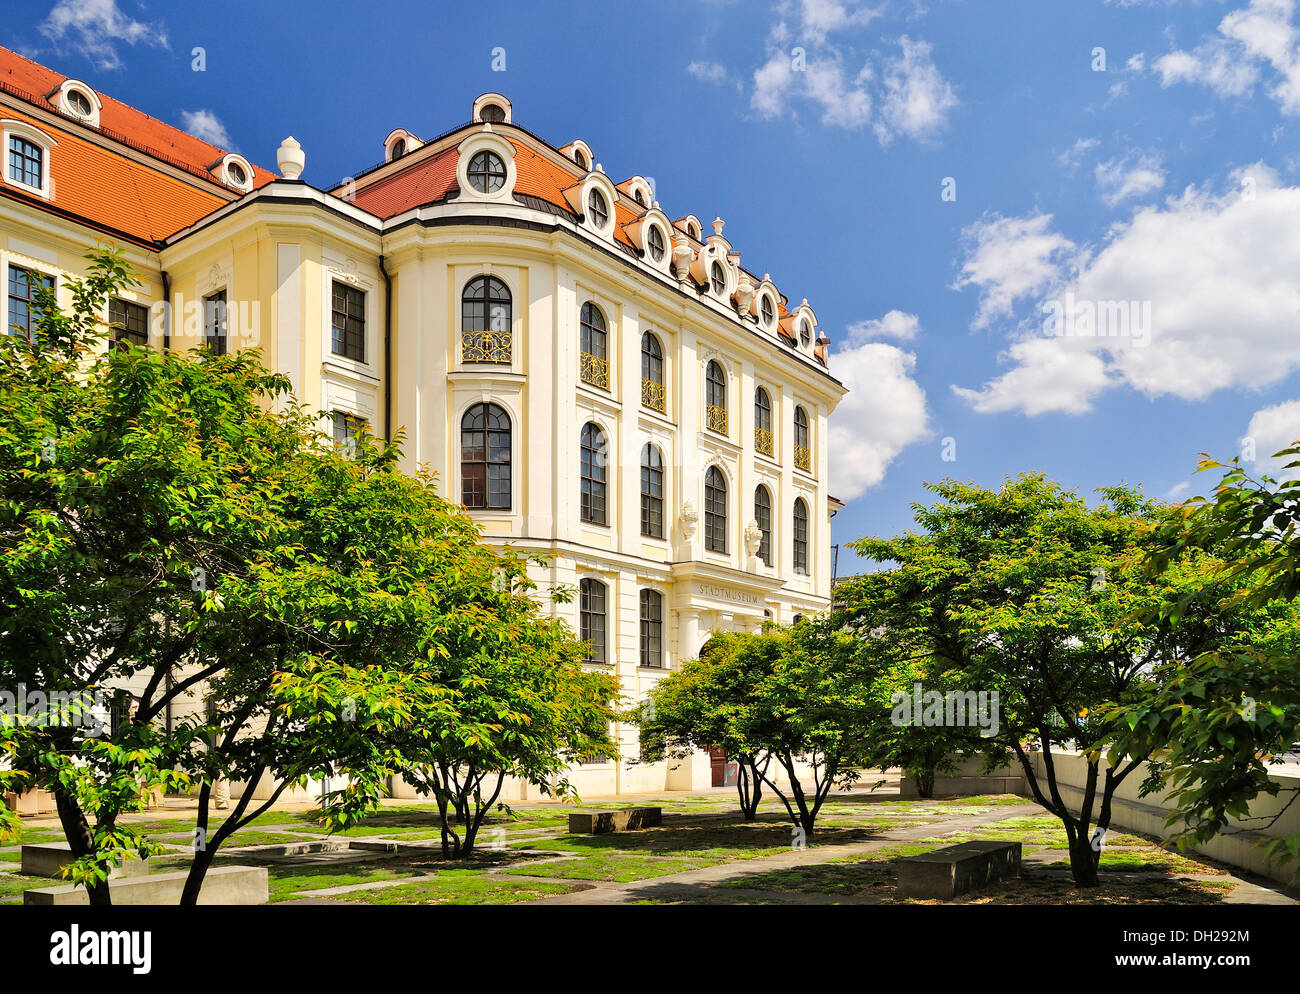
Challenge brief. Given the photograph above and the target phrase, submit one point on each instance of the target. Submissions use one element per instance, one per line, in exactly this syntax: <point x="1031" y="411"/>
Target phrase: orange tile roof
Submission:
<point x="97" y="182"/>
<point x="34" y="81"/>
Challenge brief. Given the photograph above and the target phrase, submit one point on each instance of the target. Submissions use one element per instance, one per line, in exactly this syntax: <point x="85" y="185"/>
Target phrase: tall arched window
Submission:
<point x="652" y="373"/>
<point x="485" y="458"/>
<point x="591" y="618"/>
<point x="800" y="536"/>
<point x="715" y="510"/>
<point x="652" y="492"/>
<point x="802" y="448"/>
<point x="715" y="397"/>
<point x="485" y="321"/>
<point x="763" y="422"/>
<point x="652" y="628"/>
<point x="594" y="346"/>
<point x="763" y="518"/>
<point x="593" y="472"/>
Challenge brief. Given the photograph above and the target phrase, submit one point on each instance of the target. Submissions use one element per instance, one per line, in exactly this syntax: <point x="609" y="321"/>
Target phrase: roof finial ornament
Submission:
<point x="717" y="226"/>
<point x="290" y="158"/>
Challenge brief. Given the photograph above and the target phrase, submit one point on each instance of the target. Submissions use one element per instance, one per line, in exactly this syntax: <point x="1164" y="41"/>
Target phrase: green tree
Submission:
<point x="175" y="525"/>
<point x="1030" y="592"/>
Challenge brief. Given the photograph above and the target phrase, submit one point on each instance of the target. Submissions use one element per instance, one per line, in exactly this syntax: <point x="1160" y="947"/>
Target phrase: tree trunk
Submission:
<point x="1083" y="861"/>
<point x="924" y="777"/>
<point x="81" y="840"/>
<point x="198" y="871"/>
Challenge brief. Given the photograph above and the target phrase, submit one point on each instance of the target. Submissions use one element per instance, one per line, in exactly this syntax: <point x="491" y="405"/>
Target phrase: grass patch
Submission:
<point x="461" y="887"/>
<point x="613" y="867"/>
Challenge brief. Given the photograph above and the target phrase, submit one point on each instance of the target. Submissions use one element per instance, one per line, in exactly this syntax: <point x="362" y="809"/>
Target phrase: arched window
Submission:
<point x="485" y="458"/>
<point x="652" y="492"/>
<point x="800" y="536"/>
<point x="597" y="209"/>
<point x="652" y="373"/>
<point x="802" y="448"/>
<point x="591" y="618"/>
<point x="399" y="148"/>
<point x="485" y="321"/>
<point x="763" y="518"/>
<point x="593" y="471"/>
<point x="652" y="628"/>
<point x="715" y="397"/>
<point x="718" y="278"/>
<point x="487" y="173"/>
<point x="763" y="422"/>
<point x="715" y="510"/>
<point x="805" y="334"/>
<point x="765" y="307"/>
<point x="594" y="346"/>
<point x="655" y="242"/>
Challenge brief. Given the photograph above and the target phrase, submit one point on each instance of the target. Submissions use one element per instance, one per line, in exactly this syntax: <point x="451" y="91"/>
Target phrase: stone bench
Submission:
<point x="622" y="820"/>
<point x="954" y="870"/>
<point x="222" y="885"/>
<point x="49" y="858"/>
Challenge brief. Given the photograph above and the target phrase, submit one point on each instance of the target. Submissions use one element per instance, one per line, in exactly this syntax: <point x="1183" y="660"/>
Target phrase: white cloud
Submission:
<point x="1272" y="429"/>
<point x="895" y="324"/>
<point x="709" y="72"/>
<point x="1009" y="258"/>
<point x="883" y="413"/>
<point x="94" y="28"/>
<point x="819" y="18"/>
<point x="1253" y="41"/>
<point x="205" y="124"/>
<point x="1216" y="273"/>
<point x="917" y="98"/>
<point x="1177" y="491"/>
<point x="1135" y="175"/>
<point x="1072" y="156"/>
<point x="903" y="93"/>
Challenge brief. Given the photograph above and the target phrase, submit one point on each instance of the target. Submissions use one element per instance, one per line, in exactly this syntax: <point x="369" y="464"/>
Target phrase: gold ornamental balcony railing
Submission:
<point x="716" y="418"/>
<point x="763" y="441"/>
<point x="653" y="395"/>
<point x="594" y="370"/>
<point x="486" y="346"/>
<point x="802" y="458"/>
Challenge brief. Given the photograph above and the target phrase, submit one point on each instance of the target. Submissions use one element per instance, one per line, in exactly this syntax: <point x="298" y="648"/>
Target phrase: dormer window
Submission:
<point x="597" y="209"/>
<point x="718" y="278"/>
<point x="639" y="197"/>
<point x="26" y="157"/>
<point x="805" y="334"/>
<point x="487" y="173"/>
<point x="693" y="230"/>
<point x="78" y="100"/>
<point x="26" y="162"/>
<point x="655" y="243"/>
<point x="492" y="113"/>
<point x="235" y="171"/>
<point x="79" y="103"/>
<point x="765" y="308"/>
<point x="581" y="159"/>
<point x="399" y="148"/>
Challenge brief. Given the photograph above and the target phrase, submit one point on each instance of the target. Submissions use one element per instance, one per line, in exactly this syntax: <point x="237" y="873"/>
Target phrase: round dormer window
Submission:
<point x="492" y="113"/>
<point x="805" y="335"/>
<point x="235" y="173"/>
<point x="79" y="103"/>
<point x="597" y="209"/>
<point x="765" y="307"/>
<point x="487" y="173"/>
<point x="655" y="243"/>
<point x="718" y="278"/>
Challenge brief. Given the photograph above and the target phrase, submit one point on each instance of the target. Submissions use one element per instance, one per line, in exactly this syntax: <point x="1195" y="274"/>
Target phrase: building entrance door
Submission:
<point x="717" y="766"/>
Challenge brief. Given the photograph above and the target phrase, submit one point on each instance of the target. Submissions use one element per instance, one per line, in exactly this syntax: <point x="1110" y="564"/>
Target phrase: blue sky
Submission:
<point x="1166" y="179"/>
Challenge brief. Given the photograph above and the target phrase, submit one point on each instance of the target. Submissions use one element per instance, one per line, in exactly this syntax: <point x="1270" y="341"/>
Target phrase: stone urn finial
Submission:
<point x="290" y="158"/>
